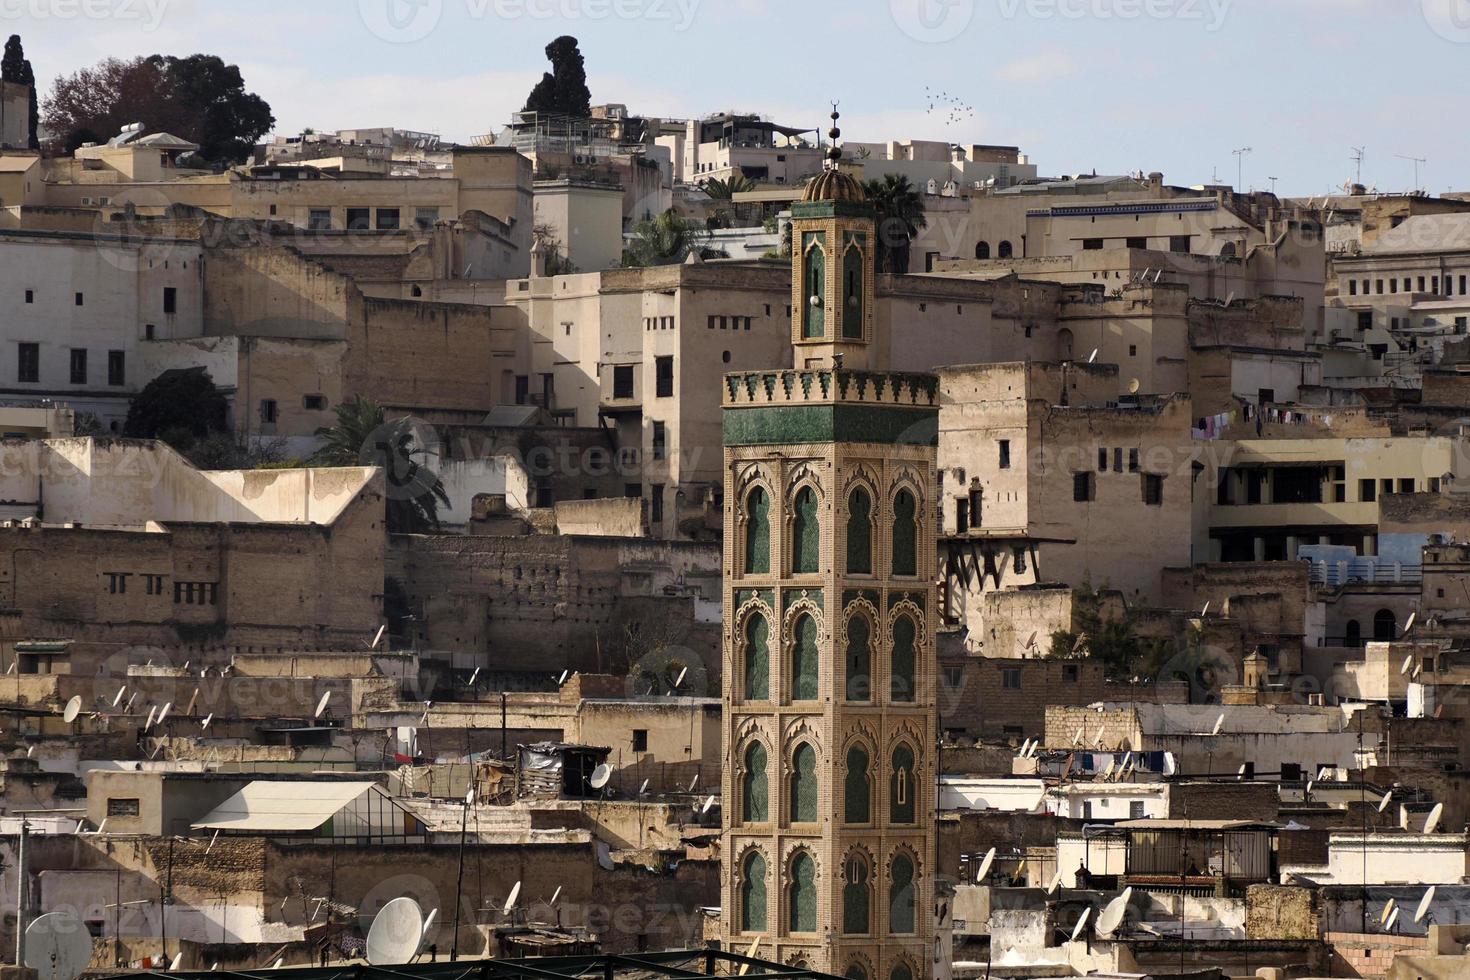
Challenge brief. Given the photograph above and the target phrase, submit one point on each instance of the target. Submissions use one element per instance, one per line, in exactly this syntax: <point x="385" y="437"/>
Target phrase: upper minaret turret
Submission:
<point x="833" y="237"/>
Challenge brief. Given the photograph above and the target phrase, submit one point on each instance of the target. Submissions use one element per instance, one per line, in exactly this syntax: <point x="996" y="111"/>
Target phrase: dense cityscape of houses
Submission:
<point x="621" y="535"/>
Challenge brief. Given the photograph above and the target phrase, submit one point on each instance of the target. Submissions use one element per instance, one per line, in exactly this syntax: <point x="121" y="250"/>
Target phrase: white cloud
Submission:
<point x="1046" y="66"/>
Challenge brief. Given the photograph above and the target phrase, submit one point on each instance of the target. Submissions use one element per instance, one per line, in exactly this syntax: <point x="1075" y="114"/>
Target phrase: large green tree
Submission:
<point x="901" y="215"/>
<point x="198" y="98"/>
<point x="364" y="436"/>
<point x="16" y="69"/>
<point x="563" y="89"/>
<point x="180" y="407"/>
<point x="666" y="240"/>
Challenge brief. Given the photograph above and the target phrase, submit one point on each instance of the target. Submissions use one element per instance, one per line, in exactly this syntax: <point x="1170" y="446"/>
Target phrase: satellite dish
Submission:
<point x="149" y="723"/>
<point x="73" y="708"/>
<point x="1393" y="920"/>
<point x="395" y="933"/>
<point x="643" y="789"/>
<point x="1424" y="903"/>
<point x="58" y="946"/>
<point x="1408" y="665"/>
<point x="1112" y="915"/>
<point x="428" y="928"/>
<point x="176" y="962"/>
<point x="1055" y="884"/>
<point x="1387" y="910"/>
<point x="515" y="893"/>
<point x="473" y="676"/>
<point x="1310" y="784"/>
<point x="985" y="865"/>
<point x="679" y="681"/>
<point x="1205" y="611"/>
<point x="1081" y="923"/>
<point x="280" y="962"/>
<point x="1432" y="824"/>
<point x="1093" y="356"/>
<point x="1409" y="623"/>
<point x="322" y="704"/>
<point x="563" y="678"/>
<point x="1170" y="766"/>
<point x="1077" y="739"/>
<point x="378" y="637"/>
<point x="1219" y="724"/>
<point x="1031" y="641"/>
<point x="1383" y="803"/>
<point x="600" y="776"/>
<point x="117" y="698"/>
<point x="1134" y="386"/>
<point x="207" y="719"/>
<point x="163" y="712"/>
<point x="693" y="783"/>
<point x="555" y="895"/>
<point x="1241" y="774"/>
<point x="1108" y="771"/>
<point x="708" y="805"/>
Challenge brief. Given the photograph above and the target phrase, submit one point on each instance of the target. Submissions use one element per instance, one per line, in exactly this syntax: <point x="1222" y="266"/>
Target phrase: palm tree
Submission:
<point x="725" y="189"/>
<point x="900" y="210"/>
<point x="363" y="436"/>
<point x="665" y="240"/>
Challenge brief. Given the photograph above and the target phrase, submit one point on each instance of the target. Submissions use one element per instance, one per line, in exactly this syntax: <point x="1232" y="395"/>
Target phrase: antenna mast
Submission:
<point x="1358" y="153"/>
<point x="1417" y="162"/>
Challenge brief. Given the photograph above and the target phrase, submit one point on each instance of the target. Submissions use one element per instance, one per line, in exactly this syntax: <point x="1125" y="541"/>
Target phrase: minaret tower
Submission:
<point x="829" y="619"/>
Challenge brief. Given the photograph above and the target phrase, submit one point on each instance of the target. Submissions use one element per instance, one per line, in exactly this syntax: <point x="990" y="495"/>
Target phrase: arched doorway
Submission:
<point x="1385" y="627"/>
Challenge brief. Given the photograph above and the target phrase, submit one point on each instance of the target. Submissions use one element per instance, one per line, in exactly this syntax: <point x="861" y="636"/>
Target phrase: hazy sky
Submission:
<point x="1111" y="85"/>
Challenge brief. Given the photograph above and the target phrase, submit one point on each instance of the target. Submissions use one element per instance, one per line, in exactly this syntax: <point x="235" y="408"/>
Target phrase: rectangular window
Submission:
<point x="1138" y="242"/>
<point x="314" y="403"/>
<point x="1070" y="673"/>
<point x="1365" y="320"/>
<point x="320" y="219"/>
<point x="660" y="441"/>
<point x="1135" y="810"/>
<point x="1379" y="287"/>
<point x="28" y="362"/>
<point x="656" y="503"/>
<point x="1133" y="461"/>
<point x="268" y="411"/>
<point x="387" y="219"/>
<point x="1421" y="284"/>
<point x="1005" y="454"/>
<point x="523" y="388"/>
<point x="632" y="490"/>
<point x="663" y="372"/>
<point x="954" y="677"/>
<point x="1153" y="490"/>
<point x="79" y="300"/>
<point x="1102" y="460"/>
<point x="1010" y="678"/>
<point x="1082" y="487"/>
<point x="30" y="295"/>
<point x="122" y="807"/>
<point x="78" y="366"/>
<point x="117" y="583"/>
<point x="623" y="381"/>
<point x="153" y="584"/>
<point x="425" y="218"/>
<point x="712" y="319"/>
<point x="117" y="372"/>
<point x="1018" y="560"/>
<point x="170" y="299"/>
<point x="1092" y="244"/>
<point x="961" y="516"/>
<point x="640" y="740"/>
<point x="359" y="219"/>
<point x="1352" y="287"/>
<point x="1179" y="244"/>
<point x="1117" y="459"/>
<point x="1406" y="486"/>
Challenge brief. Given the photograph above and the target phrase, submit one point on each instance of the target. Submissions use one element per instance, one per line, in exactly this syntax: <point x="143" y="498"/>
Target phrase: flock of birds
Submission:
<point x="951" y="107"/>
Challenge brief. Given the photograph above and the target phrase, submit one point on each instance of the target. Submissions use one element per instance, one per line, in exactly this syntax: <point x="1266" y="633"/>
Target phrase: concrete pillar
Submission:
<point x="1260" y="544"/>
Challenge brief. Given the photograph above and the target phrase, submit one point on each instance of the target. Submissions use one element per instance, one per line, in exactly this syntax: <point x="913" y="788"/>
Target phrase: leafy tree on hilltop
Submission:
<point x="900" y="210"/>
<point x="179" y="407"/>
<point x="198" y="98"/>
<point x="563" y="89"/>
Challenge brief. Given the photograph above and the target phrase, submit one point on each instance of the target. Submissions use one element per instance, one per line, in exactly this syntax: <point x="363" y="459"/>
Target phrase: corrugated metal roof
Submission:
<point x="283" y="805"/>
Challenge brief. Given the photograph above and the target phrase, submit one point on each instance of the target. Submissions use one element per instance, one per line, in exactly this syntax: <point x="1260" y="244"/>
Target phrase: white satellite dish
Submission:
<point x="1387" y="910"/>
<point x="1108" y="771"/>
<point x="1093" y="356"/>
<point x="1383" y="803"/>
<point x="563" y="678"/>
<point x="149" y="723"/>
<point x="176" y="962"/>
<point x="1432" y="824"/>
<point x="1205" y="611"/>
<point x="1055" y="883"/>
<point x="117" y="698"/>
<point x="1409" y="623"/>
<point x="280" y="962"/>
<point x="1219" y="724"/>
<point x="1077" y="739"/>
<point x="1424" y="903"/>
<point x="163" y="712"/>
<point x="474" y="676"/>
<point x="1099" y="740"/>
<point x="322" y="704"/>
<point x="600" y="776"/>
<point x="1310" y="784"/>
<point x="1408" y="665"/>
<point x="1112" y="915"/>
<point x="708" y="805"/>
<point x="378" y="637"/>
<point x="554" y="896"/>
<point x="1081" y="923"/>
<point x="1127" y="760"/>
<point x="204" y="725"/>
<point x="58" y="946"/>
<point x="985" y="864"/>
<point x="1170" y="766"/>
<point x="1393" y="920"/>
<point x="395" y="933"/>
<point x="515" y="893"/>
<point x="643" y="789"/>
<point x="1241" y="774"/>
<point x="428" y="930"/>
<point x="72" y="709"/>
<point x="679" y="681"/>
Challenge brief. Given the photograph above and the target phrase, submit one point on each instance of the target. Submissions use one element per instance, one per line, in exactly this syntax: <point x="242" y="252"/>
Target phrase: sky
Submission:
<point x="1114" y="86"/>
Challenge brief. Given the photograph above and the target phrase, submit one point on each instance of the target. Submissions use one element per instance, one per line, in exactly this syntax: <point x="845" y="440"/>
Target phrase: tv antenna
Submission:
<point x="1358" y="153"/>
<point x="1240" y="156"/>
<point x="1417" y="162"/>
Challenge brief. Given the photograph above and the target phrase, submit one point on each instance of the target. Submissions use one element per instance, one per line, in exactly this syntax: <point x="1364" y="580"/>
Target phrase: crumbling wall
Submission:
<point x="1281" y="912"/>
